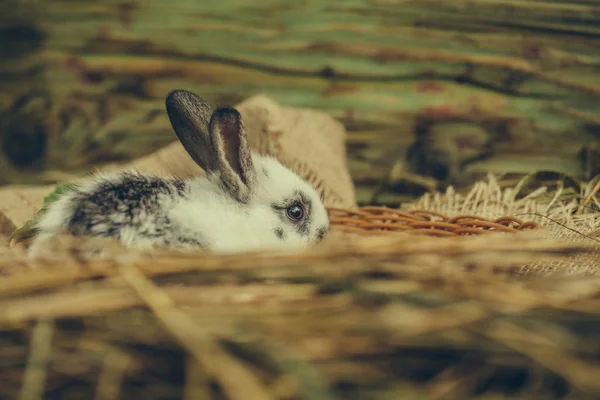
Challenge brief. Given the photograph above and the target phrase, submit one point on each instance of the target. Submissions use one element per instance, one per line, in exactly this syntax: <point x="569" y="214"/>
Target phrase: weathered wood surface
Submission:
<point x="431" y="91"/>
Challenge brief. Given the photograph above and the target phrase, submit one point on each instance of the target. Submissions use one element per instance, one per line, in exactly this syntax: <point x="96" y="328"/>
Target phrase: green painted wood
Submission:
<point x="447" y="89"/>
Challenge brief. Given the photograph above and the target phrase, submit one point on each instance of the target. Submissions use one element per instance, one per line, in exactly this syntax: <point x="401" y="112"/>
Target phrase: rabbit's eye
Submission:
<point x="295" y="212"/>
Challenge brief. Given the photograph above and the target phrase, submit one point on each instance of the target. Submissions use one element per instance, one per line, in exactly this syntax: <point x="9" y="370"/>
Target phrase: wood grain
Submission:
<point x="431" y="92"/>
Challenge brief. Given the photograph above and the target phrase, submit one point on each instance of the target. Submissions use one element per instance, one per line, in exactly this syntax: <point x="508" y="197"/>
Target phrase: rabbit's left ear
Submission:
<point x="189" y="115"/>
<point x="234" y="160"/>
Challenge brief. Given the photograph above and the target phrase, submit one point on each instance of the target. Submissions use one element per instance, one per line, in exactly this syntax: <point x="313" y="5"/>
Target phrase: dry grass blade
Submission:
<point x="105" y="298"/>
<point x="236" y="380"/>
<point x="406" y="320"/>
<point x="111" y="376"/>
<point x="455" y="383"/>
<point x="593" y="189"/>
<point x="197" y="385"/>
<point x="581" y="374"/>
<point x="39" y="356"/>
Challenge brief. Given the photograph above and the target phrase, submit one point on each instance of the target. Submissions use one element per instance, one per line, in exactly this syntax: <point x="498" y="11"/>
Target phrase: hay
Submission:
<point x="426" y="302"/>
<point x="357" y="317"/>
<point x="572" y="219"/>
<point x="429" y="302"/>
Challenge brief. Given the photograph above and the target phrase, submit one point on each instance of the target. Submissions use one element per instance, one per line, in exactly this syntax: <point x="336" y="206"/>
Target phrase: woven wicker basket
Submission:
<point x="374" y="220"/>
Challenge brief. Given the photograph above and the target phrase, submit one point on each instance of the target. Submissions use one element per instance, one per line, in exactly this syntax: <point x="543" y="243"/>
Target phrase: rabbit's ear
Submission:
<point x="234" y="159"/>
<point x="190" y="117"/>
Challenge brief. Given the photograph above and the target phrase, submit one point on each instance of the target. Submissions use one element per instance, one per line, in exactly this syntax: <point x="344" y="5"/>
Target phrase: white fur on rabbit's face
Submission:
<point x="264" y="221"/>
<point x="248" y="201"/>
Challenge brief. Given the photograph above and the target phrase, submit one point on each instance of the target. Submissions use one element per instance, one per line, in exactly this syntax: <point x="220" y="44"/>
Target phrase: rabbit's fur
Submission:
<point x="246" y="201"/>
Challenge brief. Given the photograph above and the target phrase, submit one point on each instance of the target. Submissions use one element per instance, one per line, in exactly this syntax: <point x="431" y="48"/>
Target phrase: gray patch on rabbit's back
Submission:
<point x="134" y="201"/>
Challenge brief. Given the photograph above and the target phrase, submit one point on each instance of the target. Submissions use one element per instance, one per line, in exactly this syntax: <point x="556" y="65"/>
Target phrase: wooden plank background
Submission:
<point x="432" y="92"/>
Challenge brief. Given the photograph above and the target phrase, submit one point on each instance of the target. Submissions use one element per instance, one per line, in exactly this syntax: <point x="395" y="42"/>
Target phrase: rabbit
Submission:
<point x="245" y="202"/>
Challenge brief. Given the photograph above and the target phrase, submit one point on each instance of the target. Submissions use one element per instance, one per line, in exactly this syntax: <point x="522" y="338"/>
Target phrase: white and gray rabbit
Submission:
<point x="245" y="202"/>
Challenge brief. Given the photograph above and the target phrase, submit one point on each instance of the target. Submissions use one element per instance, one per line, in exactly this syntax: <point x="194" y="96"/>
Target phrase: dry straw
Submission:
<point x="376" y="311"/>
